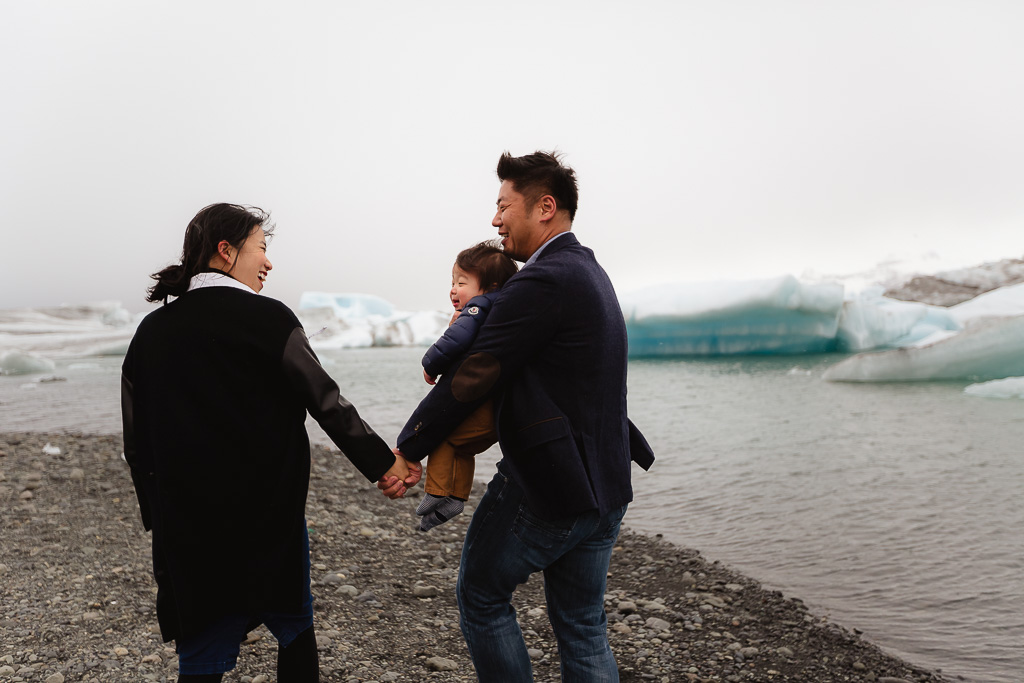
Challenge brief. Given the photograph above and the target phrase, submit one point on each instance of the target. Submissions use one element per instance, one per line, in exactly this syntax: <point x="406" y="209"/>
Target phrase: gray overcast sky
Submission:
<point x="712" y="140"/>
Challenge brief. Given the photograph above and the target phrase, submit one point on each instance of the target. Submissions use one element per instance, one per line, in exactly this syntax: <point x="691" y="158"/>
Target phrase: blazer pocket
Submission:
<point x="542" y="432"/>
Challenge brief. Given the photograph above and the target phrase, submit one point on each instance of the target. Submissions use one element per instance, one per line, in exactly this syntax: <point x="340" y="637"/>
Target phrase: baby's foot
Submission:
<point x="436" y="510"/>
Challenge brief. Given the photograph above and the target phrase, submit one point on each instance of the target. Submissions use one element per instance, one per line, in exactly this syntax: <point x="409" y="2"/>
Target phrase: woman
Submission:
<point x="215" y="389"/>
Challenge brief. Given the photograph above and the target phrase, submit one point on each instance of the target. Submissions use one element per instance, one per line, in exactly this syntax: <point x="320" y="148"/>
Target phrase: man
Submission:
<point x="553" y="355"/>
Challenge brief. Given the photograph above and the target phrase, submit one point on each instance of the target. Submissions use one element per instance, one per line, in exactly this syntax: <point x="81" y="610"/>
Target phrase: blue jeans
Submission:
<point x="505" y="544"/>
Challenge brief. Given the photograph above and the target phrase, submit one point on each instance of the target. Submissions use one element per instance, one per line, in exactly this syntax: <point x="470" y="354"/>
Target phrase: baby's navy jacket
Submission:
<point x="459" y="336"/>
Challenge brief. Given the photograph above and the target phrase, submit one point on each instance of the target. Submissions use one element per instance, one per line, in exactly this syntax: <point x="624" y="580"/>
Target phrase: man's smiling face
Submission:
<point x="514" y="223"/>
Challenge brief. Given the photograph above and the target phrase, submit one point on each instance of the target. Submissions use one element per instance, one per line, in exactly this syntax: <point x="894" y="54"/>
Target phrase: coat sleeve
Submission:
<point x="524" y="318"/>
<point x="128" y="433"/>
<point x="338" y="418"/>
<point x="458" y="338"/>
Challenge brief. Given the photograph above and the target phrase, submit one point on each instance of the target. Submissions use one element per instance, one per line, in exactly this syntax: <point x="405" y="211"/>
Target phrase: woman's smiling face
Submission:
<point x="251" y="264"/>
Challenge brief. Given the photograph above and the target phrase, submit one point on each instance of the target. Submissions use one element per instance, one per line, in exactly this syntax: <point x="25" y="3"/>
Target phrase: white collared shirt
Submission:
<point x="541" y="248"/>
<point x="209" y="279"/>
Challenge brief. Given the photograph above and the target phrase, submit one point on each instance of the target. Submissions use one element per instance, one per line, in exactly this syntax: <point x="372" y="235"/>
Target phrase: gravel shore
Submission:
<point x="78" y="597"/>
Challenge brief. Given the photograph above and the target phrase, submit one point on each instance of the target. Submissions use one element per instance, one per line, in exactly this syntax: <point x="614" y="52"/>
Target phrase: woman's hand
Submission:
<point x="402" y="476"/>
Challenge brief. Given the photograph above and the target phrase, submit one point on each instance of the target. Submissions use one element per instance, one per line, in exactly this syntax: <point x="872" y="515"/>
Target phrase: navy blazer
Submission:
<point x="553" y="355"/>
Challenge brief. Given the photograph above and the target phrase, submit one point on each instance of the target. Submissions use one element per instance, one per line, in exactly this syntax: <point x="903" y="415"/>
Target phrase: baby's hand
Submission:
<point x="428" y="378"/>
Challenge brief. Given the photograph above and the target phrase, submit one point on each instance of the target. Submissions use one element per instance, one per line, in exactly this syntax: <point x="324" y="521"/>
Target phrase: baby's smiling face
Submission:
<point x="464" y="287"/>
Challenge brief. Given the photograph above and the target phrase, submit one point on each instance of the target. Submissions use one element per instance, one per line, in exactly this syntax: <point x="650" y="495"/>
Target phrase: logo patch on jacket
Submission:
<point x="473" y="310"/>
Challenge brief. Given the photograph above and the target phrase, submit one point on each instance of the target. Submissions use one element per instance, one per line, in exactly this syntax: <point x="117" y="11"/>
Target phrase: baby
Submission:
<point x="478" y="274"/>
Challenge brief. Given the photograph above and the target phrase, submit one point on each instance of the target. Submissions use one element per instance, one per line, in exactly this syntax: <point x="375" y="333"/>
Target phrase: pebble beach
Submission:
<point x="77" y="596"/>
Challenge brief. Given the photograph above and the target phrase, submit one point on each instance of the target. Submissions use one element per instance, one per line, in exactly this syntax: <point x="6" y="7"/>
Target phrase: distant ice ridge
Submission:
<point x="31" y="337"/>
<point x="346" y="321"/>
<point x="981" y="338"/>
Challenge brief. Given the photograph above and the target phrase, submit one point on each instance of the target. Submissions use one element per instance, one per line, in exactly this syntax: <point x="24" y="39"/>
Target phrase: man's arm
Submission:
<point x="523" y="319"/>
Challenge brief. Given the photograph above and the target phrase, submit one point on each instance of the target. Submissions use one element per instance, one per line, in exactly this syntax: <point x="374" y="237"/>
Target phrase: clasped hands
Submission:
<point x="402" y="476"/>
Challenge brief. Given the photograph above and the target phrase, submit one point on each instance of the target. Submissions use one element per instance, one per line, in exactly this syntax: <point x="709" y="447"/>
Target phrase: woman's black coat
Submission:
<point x="215" y="390"/>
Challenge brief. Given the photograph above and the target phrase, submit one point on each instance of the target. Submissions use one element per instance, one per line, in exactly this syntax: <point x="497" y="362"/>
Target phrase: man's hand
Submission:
<point x="427" y="377"/>
<point x="402" y="476"/>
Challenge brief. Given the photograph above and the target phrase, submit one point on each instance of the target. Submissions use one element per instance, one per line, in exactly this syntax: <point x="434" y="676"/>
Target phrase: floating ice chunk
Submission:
<point x="987" y="349"/>
<point x="1011" y="387"/>
<point x="871" y="321"/>
<point x="15" y="362"/>
<point x="777" y="316"/>
<point x="84" y="366"/>
<point x="51" y="450"/>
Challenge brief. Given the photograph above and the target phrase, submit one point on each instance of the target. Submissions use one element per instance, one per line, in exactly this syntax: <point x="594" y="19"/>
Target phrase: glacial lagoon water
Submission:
<point x="895" y="509"/>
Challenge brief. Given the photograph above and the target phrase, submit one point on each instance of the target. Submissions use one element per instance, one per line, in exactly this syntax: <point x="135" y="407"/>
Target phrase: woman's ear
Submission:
<point x="224" y="250"/>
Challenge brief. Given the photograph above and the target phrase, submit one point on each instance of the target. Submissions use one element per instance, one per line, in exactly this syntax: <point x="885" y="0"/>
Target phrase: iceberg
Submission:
<point x="872" y="321"/>
<point x="987" y="349"/>
<point x="98" y="329"/>
<point x="347" y="321"/>
<point x="348" y="306"/>
<point x="1010" y="387"/>
<point x="986" y="342"/>
<point x="775" y="316"/>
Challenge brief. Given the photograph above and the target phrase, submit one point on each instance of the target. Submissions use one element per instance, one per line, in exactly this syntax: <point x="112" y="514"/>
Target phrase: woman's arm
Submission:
<point x="338" y="418"/>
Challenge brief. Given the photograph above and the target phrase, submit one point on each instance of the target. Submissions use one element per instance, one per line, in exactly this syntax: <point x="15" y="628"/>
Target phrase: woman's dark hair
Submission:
<point x="538" y="174"/>
<point x="212" y="225"/>
<point x="488" y="263"/>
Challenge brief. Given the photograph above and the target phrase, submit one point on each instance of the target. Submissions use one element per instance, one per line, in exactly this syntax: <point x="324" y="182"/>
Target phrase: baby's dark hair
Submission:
<point x="488" y="263"/>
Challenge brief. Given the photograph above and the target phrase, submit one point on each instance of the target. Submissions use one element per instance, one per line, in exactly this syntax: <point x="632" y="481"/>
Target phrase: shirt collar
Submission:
<point x="211" y="279"/>
<point x="542" y="247"/>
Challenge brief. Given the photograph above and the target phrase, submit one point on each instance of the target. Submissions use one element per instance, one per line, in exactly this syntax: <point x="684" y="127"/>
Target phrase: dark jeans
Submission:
<point x="505" y="544"/>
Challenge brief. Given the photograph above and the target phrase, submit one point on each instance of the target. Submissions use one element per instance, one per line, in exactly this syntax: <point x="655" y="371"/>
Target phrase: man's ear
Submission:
<point x="548" y="207"/>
